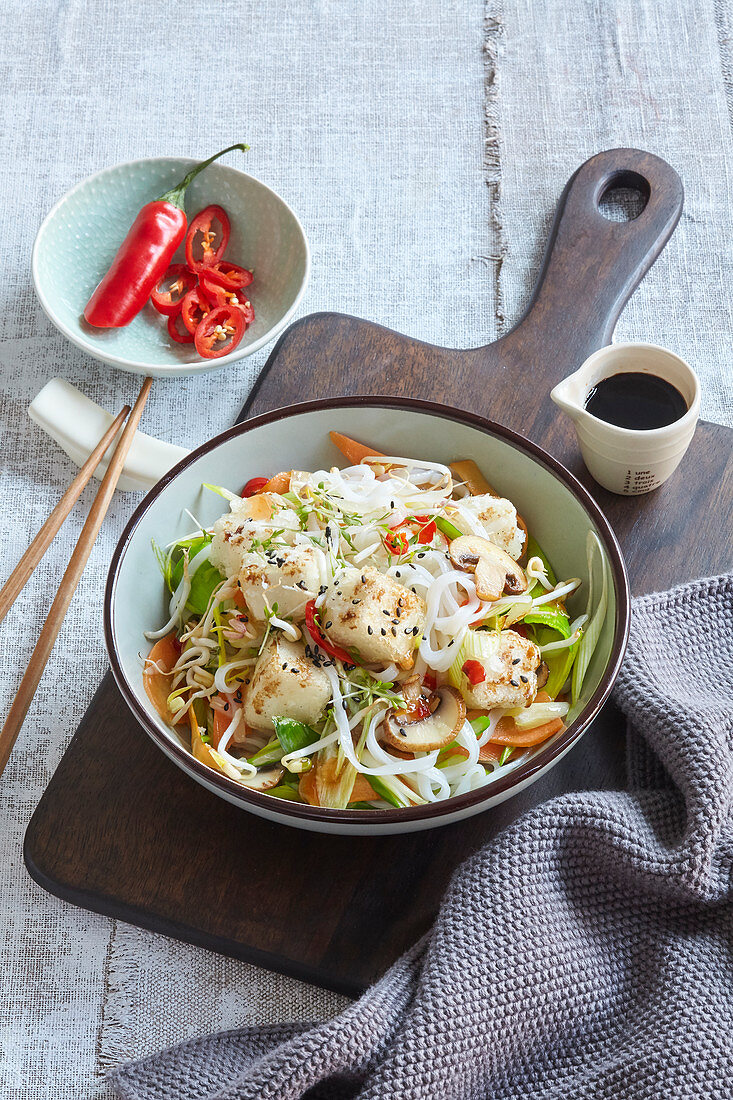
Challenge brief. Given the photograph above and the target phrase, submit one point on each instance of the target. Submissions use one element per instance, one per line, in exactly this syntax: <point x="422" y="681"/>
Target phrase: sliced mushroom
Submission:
<point x="434" y="732"/>
<point x="265" y="778"/>
<point x="494" y="570"/>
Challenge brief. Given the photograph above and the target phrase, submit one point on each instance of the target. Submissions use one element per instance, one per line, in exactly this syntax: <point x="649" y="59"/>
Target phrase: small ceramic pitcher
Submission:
<point x="624" y="460"/>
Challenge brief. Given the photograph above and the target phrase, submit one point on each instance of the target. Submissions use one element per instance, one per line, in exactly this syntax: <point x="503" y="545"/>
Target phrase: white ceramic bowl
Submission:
<point x="80" y="236"/>
<point x="558" y="510"/>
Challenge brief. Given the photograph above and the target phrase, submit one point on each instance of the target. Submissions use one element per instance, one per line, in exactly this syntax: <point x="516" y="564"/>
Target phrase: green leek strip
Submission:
<point x="481" y="724"/>
<point x="221" y="491"/>
<point x="551" y="617"/>
<point x="271" y="753"/>
<point x="449" y="529"/>
<point x="294" y="735"/>
<point x="505" y="755"/>
<point x="218" y="627"/>
<point x="593" y="629"/>
<point x="195" y="544"/>
<point x="206" y="578"/>
<point x="560" y="664"/>
<point x="449" y="761"/>
<point x="392" y="790"/>
<point x="290" y="794"/>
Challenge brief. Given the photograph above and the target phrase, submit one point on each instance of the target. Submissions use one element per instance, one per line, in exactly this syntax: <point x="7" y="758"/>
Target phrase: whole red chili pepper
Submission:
<point x="144" y="255"/>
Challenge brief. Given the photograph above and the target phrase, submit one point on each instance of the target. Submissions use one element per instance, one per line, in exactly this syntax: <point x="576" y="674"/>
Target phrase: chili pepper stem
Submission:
<point x="176" y="194"/>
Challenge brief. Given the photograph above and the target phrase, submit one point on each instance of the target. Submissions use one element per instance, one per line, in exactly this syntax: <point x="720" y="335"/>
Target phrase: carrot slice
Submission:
<point x="350" y="449"/>
<point x="280" y="483"/>
<point x="308" y="790"/>
<point x="506" y="733"/>
<point x="157" y="679"/>
<point x="466" y="470"/>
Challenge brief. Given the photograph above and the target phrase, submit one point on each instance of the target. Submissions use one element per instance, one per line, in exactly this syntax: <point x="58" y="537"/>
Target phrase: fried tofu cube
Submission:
<point x="288" y="576"/>
<point x="510" y="671"/>
<point x="494" y="518"/>
<point x="249" y="522"/>
<point x="285" y="683"/>
<point x="375" y="614"/>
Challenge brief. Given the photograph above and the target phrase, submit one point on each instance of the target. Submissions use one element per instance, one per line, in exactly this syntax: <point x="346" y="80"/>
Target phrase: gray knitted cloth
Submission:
<point x="585" y="953"/>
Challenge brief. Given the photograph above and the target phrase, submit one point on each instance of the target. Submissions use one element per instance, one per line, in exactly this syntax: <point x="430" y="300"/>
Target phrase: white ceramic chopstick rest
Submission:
<point x="77" y="424"/>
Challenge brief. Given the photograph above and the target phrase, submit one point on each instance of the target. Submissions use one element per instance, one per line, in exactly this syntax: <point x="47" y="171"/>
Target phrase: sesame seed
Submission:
<point x="394" y="631"/>
<point x="355" y="602"/>
<point x="516" y="661"/>
<point x="385" y="612"/>
<point x="524" y="679"/>
<point x="285" y="665"/>
<point x="369" y="630"/>
<point x="383" y="632"/>
<point x="402" y="733"/>
<point x="329" y="624"/>
<point x="514" y="683"/>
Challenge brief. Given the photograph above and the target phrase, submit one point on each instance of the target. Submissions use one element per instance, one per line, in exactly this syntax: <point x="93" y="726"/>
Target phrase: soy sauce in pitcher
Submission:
<point x="635" y="400"/>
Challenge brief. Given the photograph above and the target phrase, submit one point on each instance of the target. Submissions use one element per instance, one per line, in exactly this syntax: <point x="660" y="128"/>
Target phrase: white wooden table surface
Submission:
<point x="424" y="145"/>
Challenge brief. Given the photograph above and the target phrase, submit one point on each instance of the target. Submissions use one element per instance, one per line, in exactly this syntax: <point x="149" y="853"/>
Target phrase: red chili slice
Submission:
<point x="316" y="633"/>
<point x="254" y="485"/>
<point x="194" y="307"/>
<point x="178" y="331"/>
<point x="229" y="275"/>
<point x="474" y="672"/>
<point x="220" y="332"/>
<point x="169" y="292"/>
<point x="396" y="542"/>
<point x="220" y="295"/>
<point x="207" y="237"/>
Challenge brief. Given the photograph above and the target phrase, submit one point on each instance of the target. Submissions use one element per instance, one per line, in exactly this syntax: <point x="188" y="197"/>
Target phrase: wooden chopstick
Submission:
<point x="69" y="581"/>
<point x="25" y="567"/>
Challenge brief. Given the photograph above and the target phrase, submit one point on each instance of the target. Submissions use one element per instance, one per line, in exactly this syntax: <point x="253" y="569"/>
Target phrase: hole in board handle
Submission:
<point x="624" y="197"/>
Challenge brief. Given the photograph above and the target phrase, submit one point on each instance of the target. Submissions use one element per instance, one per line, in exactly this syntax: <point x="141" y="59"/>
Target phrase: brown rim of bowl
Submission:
<point x="285" y="810"/>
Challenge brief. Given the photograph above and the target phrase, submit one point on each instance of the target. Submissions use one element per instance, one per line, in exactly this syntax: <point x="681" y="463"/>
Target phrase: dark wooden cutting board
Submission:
<point x="122" y="831"/>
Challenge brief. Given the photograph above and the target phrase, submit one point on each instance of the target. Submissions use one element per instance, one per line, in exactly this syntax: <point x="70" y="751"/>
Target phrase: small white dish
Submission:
<point x="79" y="238"/>
<point x="623" y="460"/>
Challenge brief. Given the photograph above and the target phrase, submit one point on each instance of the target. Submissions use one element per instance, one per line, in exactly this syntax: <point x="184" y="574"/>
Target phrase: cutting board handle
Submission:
<point x="592" y="265"/>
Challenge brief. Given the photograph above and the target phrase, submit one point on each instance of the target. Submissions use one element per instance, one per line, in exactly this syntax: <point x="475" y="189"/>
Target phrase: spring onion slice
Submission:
<point x="594" y="627"/>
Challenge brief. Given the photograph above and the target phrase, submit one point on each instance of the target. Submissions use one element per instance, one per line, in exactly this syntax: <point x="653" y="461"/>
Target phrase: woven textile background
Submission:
<point x="424" y="145"/>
